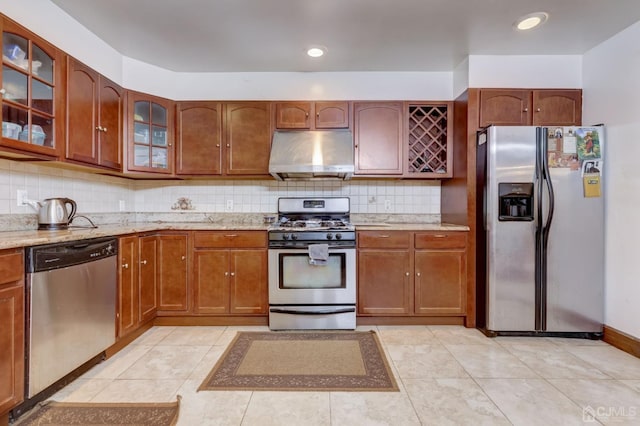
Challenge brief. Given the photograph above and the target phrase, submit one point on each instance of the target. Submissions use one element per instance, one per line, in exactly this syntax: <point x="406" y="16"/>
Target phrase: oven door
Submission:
<point x="293" y="280"/>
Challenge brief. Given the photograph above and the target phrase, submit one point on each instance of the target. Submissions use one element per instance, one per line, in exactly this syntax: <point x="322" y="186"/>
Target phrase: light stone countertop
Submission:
<point x="15" y="239"/>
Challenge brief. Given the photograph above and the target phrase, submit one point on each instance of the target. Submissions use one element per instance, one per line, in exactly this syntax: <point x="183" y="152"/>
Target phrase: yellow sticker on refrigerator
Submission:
<point x="591" y="184"/>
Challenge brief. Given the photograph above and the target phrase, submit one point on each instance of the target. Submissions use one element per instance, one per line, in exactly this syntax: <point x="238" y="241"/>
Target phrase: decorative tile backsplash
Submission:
<point x="105" y="194"/>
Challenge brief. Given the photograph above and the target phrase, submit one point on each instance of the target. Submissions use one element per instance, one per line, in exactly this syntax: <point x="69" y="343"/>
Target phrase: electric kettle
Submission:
<point x="53" y="213"/>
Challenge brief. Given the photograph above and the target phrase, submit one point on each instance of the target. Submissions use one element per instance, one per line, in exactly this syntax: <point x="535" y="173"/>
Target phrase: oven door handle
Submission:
<point x="323" y="312"/>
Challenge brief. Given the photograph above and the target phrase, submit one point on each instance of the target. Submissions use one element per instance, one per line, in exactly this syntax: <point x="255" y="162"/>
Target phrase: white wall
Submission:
<point x="544" y="71"/>
<point x="611" y="74"/>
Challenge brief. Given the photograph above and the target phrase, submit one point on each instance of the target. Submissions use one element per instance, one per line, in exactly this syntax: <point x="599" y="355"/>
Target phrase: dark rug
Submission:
<point x="104" y="414"/>
<point x="299" y="361"/>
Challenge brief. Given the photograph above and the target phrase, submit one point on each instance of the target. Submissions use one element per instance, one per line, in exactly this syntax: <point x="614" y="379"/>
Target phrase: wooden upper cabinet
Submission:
<point x="94" y="117"/>
<point x="557" y="107"/>
<point x="149" y="133"/>
<point x="378" y="134"/>
<point x="312" y="115"/>
<point x="332" y="115"/>
<point x="33" y="95"/>
<point x="525" y="107"/>
<point x="293" y="115"/>
<point x="505" y="107"/>
<point x="247" y="138"/>
<point x="199" y="138"/>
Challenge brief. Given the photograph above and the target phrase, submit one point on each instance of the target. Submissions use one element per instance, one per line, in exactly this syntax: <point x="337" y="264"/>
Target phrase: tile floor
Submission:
<point x="447" y="375"/>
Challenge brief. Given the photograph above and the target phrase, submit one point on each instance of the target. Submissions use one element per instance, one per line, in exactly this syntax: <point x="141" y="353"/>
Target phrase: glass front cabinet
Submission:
<point x="150" y="133"/>
<point x="32" y="93"/>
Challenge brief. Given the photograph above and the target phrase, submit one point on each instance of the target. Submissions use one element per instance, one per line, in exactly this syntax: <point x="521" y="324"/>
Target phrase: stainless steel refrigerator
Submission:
<point x="540" y="231"/>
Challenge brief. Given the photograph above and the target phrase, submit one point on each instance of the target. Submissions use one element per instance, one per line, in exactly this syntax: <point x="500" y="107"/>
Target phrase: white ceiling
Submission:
<point x="360" y="35"/>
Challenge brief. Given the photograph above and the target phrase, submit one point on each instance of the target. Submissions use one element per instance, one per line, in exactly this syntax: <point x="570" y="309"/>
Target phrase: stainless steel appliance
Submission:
<point x="71" y="307"/>
<point x="540" y="228"/>
<point x="312" y="265"/>
<point x="317" y="154"/>
<point x="53" y="213"/>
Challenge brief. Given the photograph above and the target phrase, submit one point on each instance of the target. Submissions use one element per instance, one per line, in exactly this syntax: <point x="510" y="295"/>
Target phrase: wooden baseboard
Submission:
<point x="622" y="341"/>
<point x="410" y="321"/>
<point x="211" y="320"/>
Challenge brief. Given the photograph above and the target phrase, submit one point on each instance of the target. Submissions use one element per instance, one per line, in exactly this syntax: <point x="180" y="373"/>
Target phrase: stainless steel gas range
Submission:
<point x="312" y="265"/>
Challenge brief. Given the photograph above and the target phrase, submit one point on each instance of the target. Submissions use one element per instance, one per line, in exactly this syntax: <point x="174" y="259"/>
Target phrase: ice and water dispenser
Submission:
<point x="516" y="202"/>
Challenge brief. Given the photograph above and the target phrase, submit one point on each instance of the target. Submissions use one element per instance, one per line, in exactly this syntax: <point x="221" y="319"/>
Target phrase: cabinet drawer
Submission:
<point x="384" y="239"/>
<point x="11" y="267"/>
<point x="437" y="240"/>
<point x="230" y="239"/>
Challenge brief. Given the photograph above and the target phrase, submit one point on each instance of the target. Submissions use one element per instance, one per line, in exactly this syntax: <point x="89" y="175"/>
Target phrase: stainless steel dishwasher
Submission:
<point x="71" y="307"/>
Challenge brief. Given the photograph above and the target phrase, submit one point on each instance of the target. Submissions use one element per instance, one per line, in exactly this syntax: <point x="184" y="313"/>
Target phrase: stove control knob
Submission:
<point x="329" y="236"/>
<point x="338" y="236"/>
<point x="294" y="237"/>
<point x="285" y="236"/>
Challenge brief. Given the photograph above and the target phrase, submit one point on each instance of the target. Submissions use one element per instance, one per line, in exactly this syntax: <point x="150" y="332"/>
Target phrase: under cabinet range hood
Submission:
<point x="312" y="154"/>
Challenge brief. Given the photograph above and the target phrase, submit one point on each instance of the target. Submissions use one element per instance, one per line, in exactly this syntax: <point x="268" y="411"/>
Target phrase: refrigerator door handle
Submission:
<point x="540" y="299"/>
<point x="547" y="180"/>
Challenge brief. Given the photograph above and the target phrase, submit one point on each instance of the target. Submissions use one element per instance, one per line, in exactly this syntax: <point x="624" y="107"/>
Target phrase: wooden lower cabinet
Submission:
<point x="384" y="279"/>
<point x="137" y="288"/>
<point x="230" y="273"/>
<point x="12" y="334"/>
<point x="402" y="273"/>
<point x="148" y="277"/>
<point x="173" y="284"/>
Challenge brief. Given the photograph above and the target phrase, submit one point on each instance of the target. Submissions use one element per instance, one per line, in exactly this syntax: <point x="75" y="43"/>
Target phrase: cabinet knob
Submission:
<point x="406" y="273"/>
<point x="125" y="266"/>
<point x="183" y="257"/>
<point x="170" y="144"/>
<point x="233" y="274"/>
<point x="217" y="145"/>
<point x="2" y="91"/>
<point x="526" y="110"/>
<point x="356" y="145"/>
<point x="538" y="110"/>
<point x="226" y="274"/>
<point x="99" y="128"/>
<point x="143" y="262"/>
<point x="228" y="145"/>
<point x="418" y="273"/>
<point x="318" y="114"/>
<point x="306" y="114"/>
<point x="104" y="129"/>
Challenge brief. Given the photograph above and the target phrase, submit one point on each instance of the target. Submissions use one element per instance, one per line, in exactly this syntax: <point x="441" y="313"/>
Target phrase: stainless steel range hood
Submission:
<point x="312" y="154"/>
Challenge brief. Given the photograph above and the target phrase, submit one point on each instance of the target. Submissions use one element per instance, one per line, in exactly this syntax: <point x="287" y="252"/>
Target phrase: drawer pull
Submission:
<point x="439" y="236"/>
<point x="383" y="236"/>
<point x="231" y="235"/>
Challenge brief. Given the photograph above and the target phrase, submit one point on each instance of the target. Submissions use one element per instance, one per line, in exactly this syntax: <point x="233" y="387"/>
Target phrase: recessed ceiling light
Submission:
<point x="316" y="52"/>
<point x="531" y="21"/>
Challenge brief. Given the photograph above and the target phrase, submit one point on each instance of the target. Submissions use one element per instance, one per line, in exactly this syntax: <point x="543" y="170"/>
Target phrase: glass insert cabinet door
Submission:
<point x="151" y="146"/>
<point x="28" y="91"/>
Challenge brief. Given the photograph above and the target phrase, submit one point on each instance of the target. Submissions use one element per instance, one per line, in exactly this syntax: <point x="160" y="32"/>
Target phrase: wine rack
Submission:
<point x="428" y="140"/>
